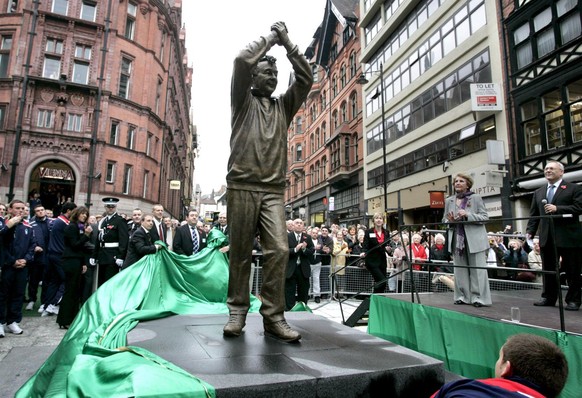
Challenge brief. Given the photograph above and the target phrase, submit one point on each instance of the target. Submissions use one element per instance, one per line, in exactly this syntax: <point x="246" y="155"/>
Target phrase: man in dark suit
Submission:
<point x="222" y="226"/>
<point x="135" y="222"/>
<point x="159" y="229"/>
<point x="189" y="239"/>
<point x="561" y="236"/>
<point x="141" y="243"/>
<point x="111" y="247"/>
<point x="301" y="249"/>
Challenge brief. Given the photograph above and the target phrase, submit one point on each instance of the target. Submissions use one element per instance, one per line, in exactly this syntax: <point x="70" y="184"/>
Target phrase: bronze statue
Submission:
<point x="256" y="178"/>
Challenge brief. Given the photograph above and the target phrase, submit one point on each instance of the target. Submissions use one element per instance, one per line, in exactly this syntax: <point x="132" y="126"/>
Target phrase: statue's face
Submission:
<point x="265" y="79"/>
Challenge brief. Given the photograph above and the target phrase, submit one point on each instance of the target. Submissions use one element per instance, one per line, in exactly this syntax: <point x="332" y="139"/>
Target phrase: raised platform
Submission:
<point x="331" y="360"/>
<point x="542" y="317"/>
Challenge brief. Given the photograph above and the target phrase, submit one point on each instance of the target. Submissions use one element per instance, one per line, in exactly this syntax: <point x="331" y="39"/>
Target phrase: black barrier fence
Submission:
<point x="412" y="275"/>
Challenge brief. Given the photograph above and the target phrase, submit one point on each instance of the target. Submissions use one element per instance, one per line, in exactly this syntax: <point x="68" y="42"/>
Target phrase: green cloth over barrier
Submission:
<point x="467" y="345"/>
<point x="93" y="359"/>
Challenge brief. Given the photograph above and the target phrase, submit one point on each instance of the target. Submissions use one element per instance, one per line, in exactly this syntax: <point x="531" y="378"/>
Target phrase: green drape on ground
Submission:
<point x="93" y="359"/>
<point x="468" y="345"/>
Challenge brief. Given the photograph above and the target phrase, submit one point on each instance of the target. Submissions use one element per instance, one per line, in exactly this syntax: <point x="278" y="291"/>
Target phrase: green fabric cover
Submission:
<point x="468" y="345"/>
<point x="93" y="359"/>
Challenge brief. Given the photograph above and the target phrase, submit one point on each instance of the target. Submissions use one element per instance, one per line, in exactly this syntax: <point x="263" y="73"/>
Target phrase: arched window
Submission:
<point x="334" y="87"/>
<point x="317" y="142"/>
<point x="353" y="66"/>
<point x="343" y="76"/>
<point x="344" y="112"/>
<point x="354" y="105"/>
<point x="334" y="119"/>
<point x="312" y="143"/>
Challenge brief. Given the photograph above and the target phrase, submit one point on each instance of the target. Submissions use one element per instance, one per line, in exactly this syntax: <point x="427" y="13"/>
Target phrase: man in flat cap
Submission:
<point x="112" y="243"/>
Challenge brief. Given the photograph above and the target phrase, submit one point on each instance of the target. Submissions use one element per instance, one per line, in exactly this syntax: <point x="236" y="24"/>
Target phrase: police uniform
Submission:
<point x="112" y="243"/>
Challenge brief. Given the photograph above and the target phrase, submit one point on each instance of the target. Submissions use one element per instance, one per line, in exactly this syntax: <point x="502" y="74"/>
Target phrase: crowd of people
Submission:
<point x="66" y="258"/>
<point x="73" y="254"/>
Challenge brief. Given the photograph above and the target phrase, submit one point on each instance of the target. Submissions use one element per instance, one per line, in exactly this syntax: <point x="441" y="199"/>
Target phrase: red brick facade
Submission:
<point x="106" y="103"/>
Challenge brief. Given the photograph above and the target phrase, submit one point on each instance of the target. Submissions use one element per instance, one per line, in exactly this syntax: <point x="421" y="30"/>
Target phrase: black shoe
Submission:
<point x="318" y="299"/>
<point x="572" y="307"/>
<point x="477" y="304"/>
<point x="545" y="303"/>
<point x="459" y="302"/>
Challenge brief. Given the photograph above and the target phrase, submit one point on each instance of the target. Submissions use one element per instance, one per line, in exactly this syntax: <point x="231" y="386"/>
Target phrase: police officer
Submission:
<point x="112" y="243"/>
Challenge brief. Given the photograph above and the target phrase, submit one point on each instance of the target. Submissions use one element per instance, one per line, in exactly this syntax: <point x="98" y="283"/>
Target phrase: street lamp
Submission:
<point x="362" y="80"/>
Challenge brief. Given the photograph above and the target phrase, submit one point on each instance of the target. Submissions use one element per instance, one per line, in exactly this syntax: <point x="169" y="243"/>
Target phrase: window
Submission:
<point x="88" y="10"/>
<point x="162" y="45"/>
<point x="2" y="116"/>
<point x="299" y="153"/>
<point x="546" y="31"/>
<point x="158" y="96"/>
<point x="114" y="133"/>
<point x="74" y="122"/>
<point x="125" y="78"/>
<point x="575" y="100"/>
<point x="131" y="137"/>
<point x="146" y="175"/>
<point x="130" y="20"/>
<point x="434" y="102"/>
<point x="81" y="64"/>
<point x="12" y="6"/>
<point x="45" y="118"/>
<point x="149" y="144"/>
<point x="110" y="175"/>
<point x="343" y="76"/>
<point x="60" y="6"/>
<point x="127" y="179"/>
<point x="52" y="61"/>
<point x="299" y="124"/>
<point x="5" y="45"/>
<point x="52" y="67"/>
<point x="344" y="111"/>
<point x="354" y="105"/>
<point x="353" y="66"/>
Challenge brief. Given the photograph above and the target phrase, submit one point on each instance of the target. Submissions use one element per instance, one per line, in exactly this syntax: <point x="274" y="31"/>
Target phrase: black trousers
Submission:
<point x="571" y="265"/>
<point x="296" y="283"/>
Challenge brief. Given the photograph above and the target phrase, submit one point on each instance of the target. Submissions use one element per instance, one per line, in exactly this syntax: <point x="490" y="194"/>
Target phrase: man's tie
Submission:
<point x="161" y="232"/>
<point x="550" y="194"/>
<point x="194" y="241"/>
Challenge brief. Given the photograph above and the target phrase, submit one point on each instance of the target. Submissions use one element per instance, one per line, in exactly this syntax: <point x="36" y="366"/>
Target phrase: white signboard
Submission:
<point x="331" y="203"/>
<point x="486" y="97"/>
<point x="175" y="184"/>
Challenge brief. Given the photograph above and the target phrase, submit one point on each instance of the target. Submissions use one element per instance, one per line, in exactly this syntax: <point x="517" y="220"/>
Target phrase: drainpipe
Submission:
<point x="18" y="135"/>
<point x="97" y="112"/>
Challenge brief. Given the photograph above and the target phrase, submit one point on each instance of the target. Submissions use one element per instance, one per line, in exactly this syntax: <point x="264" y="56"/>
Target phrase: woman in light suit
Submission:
<point x="468" y="243"/>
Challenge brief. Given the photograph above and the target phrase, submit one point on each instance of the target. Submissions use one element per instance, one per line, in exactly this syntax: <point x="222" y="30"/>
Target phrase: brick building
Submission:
<point x="94" y="102"/>
<point x="325" y="177"/>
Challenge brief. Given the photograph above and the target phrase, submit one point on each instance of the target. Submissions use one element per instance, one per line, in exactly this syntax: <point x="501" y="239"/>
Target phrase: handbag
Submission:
<point x="525" y="276"/>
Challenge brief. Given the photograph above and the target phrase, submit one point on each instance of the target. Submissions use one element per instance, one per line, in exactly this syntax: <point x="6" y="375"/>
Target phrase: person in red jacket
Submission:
<point x="528" y="366"/>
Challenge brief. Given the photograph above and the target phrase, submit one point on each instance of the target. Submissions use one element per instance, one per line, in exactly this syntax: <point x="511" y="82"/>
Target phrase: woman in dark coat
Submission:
<point x="375" y="244"/>
<point x="74" y="262"/>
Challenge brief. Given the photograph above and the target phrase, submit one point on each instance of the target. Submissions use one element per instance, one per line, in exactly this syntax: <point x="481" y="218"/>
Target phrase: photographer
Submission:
<point x="516" y="257"/>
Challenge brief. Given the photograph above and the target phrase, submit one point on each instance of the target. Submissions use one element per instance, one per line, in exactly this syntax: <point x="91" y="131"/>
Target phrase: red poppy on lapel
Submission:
<point x="563" y="186"/>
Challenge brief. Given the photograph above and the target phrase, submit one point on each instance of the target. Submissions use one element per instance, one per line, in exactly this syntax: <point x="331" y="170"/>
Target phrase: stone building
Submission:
<point x="94" y="102"/>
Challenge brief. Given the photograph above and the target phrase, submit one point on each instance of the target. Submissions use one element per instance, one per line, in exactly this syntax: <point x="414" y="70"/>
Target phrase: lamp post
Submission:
<point x="362" y="80"/>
